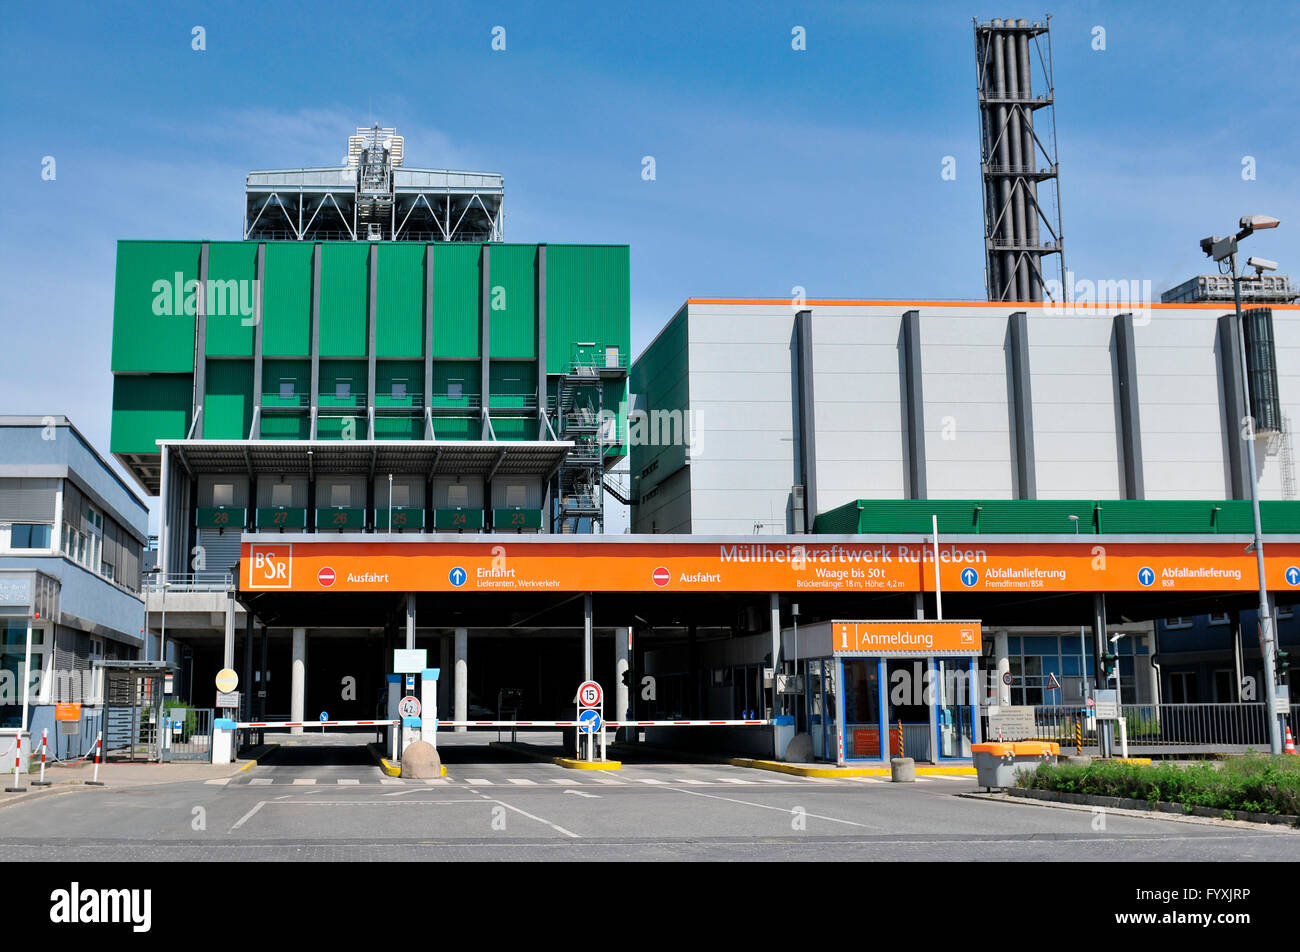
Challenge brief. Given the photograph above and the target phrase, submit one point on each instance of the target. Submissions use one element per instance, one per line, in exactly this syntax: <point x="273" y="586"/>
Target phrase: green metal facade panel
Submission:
<point x="354" y="373"/>
<point x="1051" y="517"/>
<point x="232" y="269"/>
<point x="515" y="427"/>
<point x="295" y="372"/>
<point x="588" y="298"/>
<point x="468" y="373"/>
<point x="512" y="383"/>
<point x="154" y="303"/>
<point x="344" y="299"/>
<point x="409" y="372"/>
<point x="341" y="428"/>
<point x="290" y="426"/>
<point x="399" y="303"/>
<point x="228" y="402"/>
<point x="512" y="303"/>
<point x="286" y="299"/>
<point x="456" y="300"/>
<point x="456" y="428"/>
<point x="399" y="427"/>
<point x="145" y="409"/>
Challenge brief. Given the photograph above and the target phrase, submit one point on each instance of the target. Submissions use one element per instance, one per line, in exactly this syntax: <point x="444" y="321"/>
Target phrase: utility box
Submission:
<point x="997" y="764"/>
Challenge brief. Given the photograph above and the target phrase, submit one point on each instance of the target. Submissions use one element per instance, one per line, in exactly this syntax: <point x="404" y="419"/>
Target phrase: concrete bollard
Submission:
<point x="902" y="770"/>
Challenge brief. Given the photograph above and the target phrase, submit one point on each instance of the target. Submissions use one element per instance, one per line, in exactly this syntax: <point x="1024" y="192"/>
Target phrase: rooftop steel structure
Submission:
<point x="373" y="196"/>
<point x="1017" y="159"/>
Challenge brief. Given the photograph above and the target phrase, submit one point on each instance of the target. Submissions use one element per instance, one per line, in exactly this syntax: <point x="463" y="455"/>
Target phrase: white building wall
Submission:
<point x="1286" y="335"/>
<point x="857" y="397"/>
<point x="1180" y="402"/>
<point x="1072" y="384"/>
<point x="742" y="465"/>
<point x="967" y="415"/>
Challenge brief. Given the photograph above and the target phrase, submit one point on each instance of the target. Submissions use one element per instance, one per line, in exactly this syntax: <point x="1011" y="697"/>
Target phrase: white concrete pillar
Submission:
<point x="298" y="679"/>
<point x="622" y="644"/>
<point x="461" y="651"/>
<point x="1002" y="666"/>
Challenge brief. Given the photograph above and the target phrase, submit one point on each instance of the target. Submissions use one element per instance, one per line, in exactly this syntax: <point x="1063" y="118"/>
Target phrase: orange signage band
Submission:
<point x="747" y="566"/>
<point x="67" y="712"/>
<point x="906" y="637"/>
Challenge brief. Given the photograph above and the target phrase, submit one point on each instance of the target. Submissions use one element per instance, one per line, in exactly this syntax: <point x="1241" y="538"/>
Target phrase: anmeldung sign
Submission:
<point x="1012" y="723"/>
<point x="227" y="699"/>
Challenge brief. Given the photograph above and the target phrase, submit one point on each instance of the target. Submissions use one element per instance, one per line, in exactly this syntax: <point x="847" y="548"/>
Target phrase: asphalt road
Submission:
<point x="334" y="805"/>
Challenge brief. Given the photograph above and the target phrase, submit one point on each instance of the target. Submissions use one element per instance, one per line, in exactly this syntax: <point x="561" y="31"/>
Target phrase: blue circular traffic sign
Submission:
<point x="969" y="577"/>
<point x="457" y="576"/>
<point x="1292" y="575"/>
<point x="324" y="716"/>
<point x="1146" y="576"/>
<point x="589" y="721"/>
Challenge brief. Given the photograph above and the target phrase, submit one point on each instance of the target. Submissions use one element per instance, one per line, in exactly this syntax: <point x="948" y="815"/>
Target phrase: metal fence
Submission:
<point x="1164" y="728"/>
<point x="187" y="734"/>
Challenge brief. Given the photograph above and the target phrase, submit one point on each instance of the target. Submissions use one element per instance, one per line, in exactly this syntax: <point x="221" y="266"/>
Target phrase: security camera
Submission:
<point x="1261" y="264"/>
<point x="1207" y="245"/>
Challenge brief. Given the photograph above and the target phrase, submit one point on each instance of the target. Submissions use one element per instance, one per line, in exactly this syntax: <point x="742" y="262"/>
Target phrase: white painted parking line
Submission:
<point x="866" y="779"/>
<point x="766" y="806"/>
<point x="759" y="779"/>
<point x="607" y="780"/>
<point x="392" y="781"/>
<point x="220" y="781"/>
<point x="522" y="782"/>
<point x="303" y="781"/>
<point x="648" y="780"/>
<point x="260" y="782"/>
<point x="821" y="779"/>
<point x="347" y="782"/>
<point x="247" y="816"/>
<point x="478" y="782"/>
<point x="691" y="781"/>
<point x="733" y="780"/>
<point x="566" y="781"/>
<point x="436" y="781"/>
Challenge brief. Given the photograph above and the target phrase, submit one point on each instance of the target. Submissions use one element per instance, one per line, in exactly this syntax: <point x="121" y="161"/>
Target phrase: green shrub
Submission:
<point x="1253" y="783"/>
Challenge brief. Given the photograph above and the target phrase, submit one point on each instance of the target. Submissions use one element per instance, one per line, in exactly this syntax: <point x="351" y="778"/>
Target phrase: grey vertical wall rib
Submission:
<point x="201" y="339"/>
<point x="428" y="336"/>
<point x="485" y="308"/>
<point x="371" y="310"/>
<point x="1233" y="408"/>
<point x="314" y="408"/>
<point x="1130" y="418"/>
<point x="807" y="417"/>
<point x="541" y="342"/>
<point x="259" y="277"/>
<point x="913" y="405"/>
<point x="1018" y="325"/>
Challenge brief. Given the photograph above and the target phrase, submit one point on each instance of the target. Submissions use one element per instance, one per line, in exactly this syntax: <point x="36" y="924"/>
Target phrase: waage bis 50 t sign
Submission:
<point x="744" y="566"/>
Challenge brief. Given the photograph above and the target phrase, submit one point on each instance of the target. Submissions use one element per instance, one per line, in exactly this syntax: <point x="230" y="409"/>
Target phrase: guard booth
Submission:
<point x="879" y="689"/>
<point x="133" y="723"/>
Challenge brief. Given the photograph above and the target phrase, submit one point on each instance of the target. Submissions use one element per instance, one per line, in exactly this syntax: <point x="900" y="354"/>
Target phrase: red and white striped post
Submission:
<point x="42" y="782"/>
<point x="18" y="756"/>
<point x="99" y="746"/>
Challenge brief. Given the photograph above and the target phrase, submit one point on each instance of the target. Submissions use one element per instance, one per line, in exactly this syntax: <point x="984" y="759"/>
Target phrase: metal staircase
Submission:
<point x="579" y="402"/>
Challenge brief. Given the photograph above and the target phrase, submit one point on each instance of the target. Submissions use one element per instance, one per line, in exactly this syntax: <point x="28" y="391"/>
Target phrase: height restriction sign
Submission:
<point x="589" y="694"/>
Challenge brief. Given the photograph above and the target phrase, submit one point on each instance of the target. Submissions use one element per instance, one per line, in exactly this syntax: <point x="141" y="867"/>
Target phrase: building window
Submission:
<point x="516" y="496"/>
<point x="401" y="496"/>
<point x="1223" y="692"/>
<point x="281" y="495"/>
<point x="343" y="389"/>
<point x="399" y="389"/>
<point x="455" y="389"/>
<point x="13" y="655"/>
<point x="458" y="496"/>
<point x="1285" y="612"/>
<point x="341" y="496"/>
<point x="223" y="494"/>
<point x="1179" y="622"/>
<point x="29" y="536"/>
<point x="1219" y="619"/>
<point x="108" y="570"/>
<point x="286" y="389"/>
<point x="1182" y="687"/>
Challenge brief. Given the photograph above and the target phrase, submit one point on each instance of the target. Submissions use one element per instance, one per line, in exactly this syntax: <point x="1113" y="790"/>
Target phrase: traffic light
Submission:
<point x="1108" y="660"/>
<point x="1283" y="663"/>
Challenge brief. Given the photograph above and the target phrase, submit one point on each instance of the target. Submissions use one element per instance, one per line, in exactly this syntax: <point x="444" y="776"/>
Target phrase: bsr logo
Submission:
<point x="270" y="566"/>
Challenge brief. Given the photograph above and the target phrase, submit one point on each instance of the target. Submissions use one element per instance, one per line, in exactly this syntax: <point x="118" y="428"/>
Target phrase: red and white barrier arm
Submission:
<point x="271" y="725"/>
<point x="275" y="724"/>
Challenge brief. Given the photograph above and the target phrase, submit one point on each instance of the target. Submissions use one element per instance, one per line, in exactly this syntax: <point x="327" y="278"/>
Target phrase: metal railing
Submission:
<point x="1164" y="728"/>
<point x="188" y="582"/>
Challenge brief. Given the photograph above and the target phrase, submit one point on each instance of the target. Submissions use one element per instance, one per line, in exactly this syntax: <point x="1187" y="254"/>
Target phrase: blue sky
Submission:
<point x="775" y="168"/>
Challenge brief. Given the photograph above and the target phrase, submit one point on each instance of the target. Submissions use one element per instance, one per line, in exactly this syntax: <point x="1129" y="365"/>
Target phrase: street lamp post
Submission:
<point x="1219" y="249"/>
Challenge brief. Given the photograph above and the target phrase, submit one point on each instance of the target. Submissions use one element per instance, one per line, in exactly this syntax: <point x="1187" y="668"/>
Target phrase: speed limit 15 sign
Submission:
<point x="589" y="694"/>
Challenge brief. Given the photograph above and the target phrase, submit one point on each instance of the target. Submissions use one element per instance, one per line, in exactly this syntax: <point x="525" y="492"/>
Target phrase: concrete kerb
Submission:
<point x="1159" y="809"/>
<point x="808" y="770"/>
<point x="542" y="755"/>
<point x="389" y="768"/>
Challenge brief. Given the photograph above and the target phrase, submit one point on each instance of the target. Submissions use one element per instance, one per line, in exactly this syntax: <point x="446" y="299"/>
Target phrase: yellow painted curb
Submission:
<point x="800" y="770"/>
<point x="1137" y="761"/>
<point x="395" y="770"/>
<point x="587" y="764"/>
<point x="253" y="761"/>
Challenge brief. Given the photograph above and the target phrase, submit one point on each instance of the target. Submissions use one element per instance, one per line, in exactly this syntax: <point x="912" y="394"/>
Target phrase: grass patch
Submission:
<point x="1253" y="783"/>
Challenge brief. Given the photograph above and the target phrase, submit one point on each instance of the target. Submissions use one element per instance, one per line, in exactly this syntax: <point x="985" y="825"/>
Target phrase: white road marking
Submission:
<point x="607" y="780"/>
<point x="478" y="783"/>
<point x="391" y="781"/>
<point x="649" y="780"/>
<point x="695" y="783"/>
<point x="523" y="782"/>
<point x="566" y="781"/>
<point x="248" y="816"/>
<point x="768" y="806"/>
<point x="220" y="781"/>
<point x="260" y="782"/>
<point x="733" y="780"/>
<point x="346" y="782"/>
<point x="303" y="781"/>
<point x="436" y="781"/>
<point x="865" y="779"/>
<point x="553" y="826"/>
<point x="580" y="793"/>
